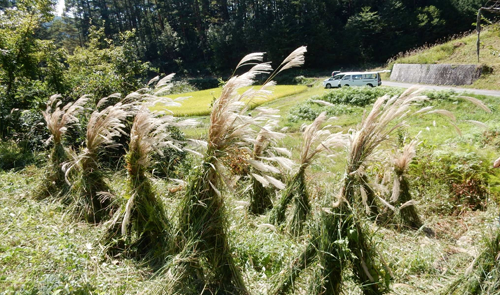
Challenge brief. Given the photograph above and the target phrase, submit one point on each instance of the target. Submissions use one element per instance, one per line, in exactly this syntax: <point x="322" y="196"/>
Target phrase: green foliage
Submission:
<point x="358" y="96"/>
<point x="102" y="68"/>
<point x="13" y="156"/>
<point x="346" y="100"/>
<point x="460" y="180"/>
<point x="21" y="55"/>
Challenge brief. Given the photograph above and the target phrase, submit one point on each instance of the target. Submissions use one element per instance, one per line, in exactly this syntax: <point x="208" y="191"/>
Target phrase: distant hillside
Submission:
<point x="462" y="50"/>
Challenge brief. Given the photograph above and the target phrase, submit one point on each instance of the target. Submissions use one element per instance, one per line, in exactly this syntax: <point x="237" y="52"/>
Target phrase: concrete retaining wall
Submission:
<point x="442" y="74"/>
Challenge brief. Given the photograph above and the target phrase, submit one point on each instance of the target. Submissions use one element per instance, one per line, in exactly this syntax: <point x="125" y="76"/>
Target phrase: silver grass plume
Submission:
<point x="58" y="121"/>
<point x="58" y="118"/>
<point x="316" y="139"/>
<point x="93" y="201"/>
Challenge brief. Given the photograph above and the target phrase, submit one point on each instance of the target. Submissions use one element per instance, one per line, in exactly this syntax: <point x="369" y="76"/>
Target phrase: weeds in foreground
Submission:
<point x="483" y="275"/>
<point x="58" y="121"/>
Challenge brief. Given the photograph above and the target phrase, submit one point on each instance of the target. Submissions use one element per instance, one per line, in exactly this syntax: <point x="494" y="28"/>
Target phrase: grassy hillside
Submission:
<point x="43" y="250"/>
<point x="462" y="50"/>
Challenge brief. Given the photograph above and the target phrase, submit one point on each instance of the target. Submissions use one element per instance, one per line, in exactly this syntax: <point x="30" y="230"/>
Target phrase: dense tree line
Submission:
<point x="211" y="35"/>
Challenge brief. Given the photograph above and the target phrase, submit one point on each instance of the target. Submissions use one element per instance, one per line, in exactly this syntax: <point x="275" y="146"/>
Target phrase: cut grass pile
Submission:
<point x="199" y="103"/>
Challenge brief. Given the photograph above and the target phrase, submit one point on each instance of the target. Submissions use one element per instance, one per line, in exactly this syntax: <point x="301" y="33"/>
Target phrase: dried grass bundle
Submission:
<point x="202" y="216"/>
<point x="58" y="121"/>
<point x="92" y="199"/>
<point x="342" y="222"/>
<point x="316" y="140"/>
<point x="263" y="163"/>
<point x="141" y="228"/>
<point x="401" y="202"/>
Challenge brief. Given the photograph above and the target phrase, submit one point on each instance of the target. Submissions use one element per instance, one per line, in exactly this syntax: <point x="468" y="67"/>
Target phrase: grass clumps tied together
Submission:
<point x="58" y="121"/>
<point x="316" y="140"/>
<point x="261" y="184"/>
<point x="340" y="229"/>
<point x="206" y="262"/>
<point x="401" y="204"/>
<point x="141" y="228"/>
<point x="91" y="196"/>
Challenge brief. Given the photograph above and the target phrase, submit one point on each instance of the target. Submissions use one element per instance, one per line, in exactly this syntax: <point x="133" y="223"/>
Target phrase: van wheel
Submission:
<point x="370" y="85"/>
<point x="328" y="86"/>
<point x="346" y="85"/>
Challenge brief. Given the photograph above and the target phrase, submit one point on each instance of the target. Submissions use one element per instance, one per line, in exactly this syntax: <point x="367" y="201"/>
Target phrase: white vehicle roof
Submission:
<point x="356" y="73"/>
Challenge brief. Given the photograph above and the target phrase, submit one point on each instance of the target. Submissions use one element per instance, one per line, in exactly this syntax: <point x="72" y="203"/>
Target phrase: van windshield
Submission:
<point x="338" y="77"/>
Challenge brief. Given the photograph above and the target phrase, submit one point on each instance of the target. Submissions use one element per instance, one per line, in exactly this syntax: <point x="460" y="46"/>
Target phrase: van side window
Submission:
<point x="347" y="77"/>
<point x="369" y="76"/>
<point x="356" y="77"/>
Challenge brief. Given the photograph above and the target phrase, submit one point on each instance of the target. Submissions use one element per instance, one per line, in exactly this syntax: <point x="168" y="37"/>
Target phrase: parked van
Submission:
<point x="371" y="79"/>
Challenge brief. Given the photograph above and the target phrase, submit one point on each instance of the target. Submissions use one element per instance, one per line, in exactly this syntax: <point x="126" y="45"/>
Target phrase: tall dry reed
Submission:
<point x="58" y="121"/>
<point x="202" y="218"/>
<point x="141" y="228"/>
<point x="315" y="140"/>
<point x="343" y="221"/>
<point x="265" y="157"/>
<point x="92" y="199"/>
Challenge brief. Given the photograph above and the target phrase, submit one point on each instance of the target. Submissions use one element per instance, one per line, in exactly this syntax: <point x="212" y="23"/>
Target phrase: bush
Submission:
<point x="456" y="181"/>
<point x="358" y="96"/>
<point x="13" y="156"/>
<point x="309" y="110"/>
<point x="32" y="132"/>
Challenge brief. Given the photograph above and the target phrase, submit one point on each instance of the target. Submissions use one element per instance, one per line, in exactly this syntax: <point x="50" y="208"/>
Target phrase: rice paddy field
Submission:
<point x="454" y="188"/>
<point x="199" y="103"/>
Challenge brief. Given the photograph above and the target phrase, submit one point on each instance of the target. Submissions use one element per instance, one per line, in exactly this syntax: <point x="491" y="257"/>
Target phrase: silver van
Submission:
<point x="371" y="79"/>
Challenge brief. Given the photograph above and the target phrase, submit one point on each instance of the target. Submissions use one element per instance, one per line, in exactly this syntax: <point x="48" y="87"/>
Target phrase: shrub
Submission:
<point x="358" y="96"/>
<point x="13" y="156"/>
<point x="458" y="181"/>
<point x="310" y="110"/>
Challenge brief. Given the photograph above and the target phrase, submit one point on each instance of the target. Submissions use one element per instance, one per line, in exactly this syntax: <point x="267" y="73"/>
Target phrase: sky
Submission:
<point x="59" y="7"/>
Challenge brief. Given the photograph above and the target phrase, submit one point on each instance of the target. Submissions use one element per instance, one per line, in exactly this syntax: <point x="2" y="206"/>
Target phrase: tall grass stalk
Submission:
<point x="141" y="228"/>
<point x="58" y="121"/>
<point x="315" y="141"/>
<point x="202" y="216"/>
<point x="261" y="184"/>
<point x="91" y="197"/>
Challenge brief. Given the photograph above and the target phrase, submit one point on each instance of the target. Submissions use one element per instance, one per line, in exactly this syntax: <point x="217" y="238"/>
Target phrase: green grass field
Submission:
<point x="199" y="103"/>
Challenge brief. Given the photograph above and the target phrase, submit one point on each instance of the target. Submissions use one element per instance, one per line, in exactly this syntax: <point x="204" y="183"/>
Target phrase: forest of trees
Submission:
<point x="211" y="35"/>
